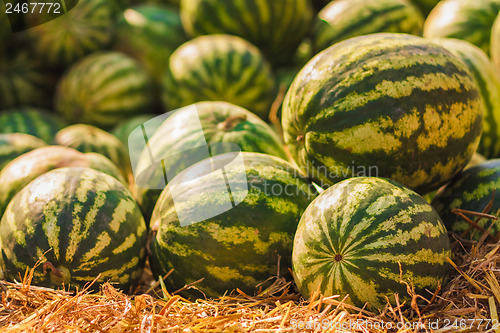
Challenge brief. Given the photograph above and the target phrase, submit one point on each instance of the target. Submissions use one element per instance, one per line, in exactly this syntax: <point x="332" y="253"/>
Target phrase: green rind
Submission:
<point x="103" y="89"/>
<point x="463" y="19"/>
<point x="495" y="43"/>
<point x="23" y="169"/>
<point x="344" y="19"/>
<point x="276" y="27"/>
<point x="247" y="131"/>
<point x="393" y="99"/>
<point x="37" y="122"/>
<point x="13" y="145"/>
<point x="488" y="80"/>
<point x="471" y="190"/>
<point x="374" y="224"/>
<point x="24" y="81"/>
<point x="88" y="139"/>
<point x="149" y="34"/>
<point x="101" y="163"/>
<point x="84" y="29"/>
<point x="125" y="128"/>
<point x="241" y="247"/>
<point x="475" y="160"/>
<point x="77" y="218"/>
<point x="219" y="68"/>
<point x="425" y="6"/>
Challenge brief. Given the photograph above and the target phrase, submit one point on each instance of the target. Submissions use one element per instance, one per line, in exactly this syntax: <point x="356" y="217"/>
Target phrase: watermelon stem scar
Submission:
<point x="58" y="275"/>
<point x="231" y="122"/>
<point x="338" y="257"/>
<point x="53" y="268"/>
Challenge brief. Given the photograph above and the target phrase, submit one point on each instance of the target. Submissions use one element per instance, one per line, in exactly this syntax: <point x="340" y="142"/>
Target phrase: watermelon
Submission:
<point x="319" y="4"/>
<point x="24" y="80"/>
<point x="13" y="145"/>
<point x="103" y="89"/>
<point x="463" y="19"/>
<point x="124" y="128"/>
<point x="488" y="80"/>
<point x="228" y="241"/>
<point x="276" y="27"/>
<point x="396" y="106"/>
<point x="352" y="238"/>
<point x="23" y="169"/>
<point x="219" y="68"/>
<point x="88" y="138"/>
<point x="100" y="162"/>
<point x="284" y="77"/>
<point x="150" y="34"/>
<point x="475" y="160"/>
<point x="204" y="123"/>
<point x="81" y="222"/>
<point x="82" y="30"/>
<point x="425" y="6"/>
<point x="35" y="121"/>
<point x="495" y="43"/>
<point x="343" y="19"/>
<point x="471" y="190"/>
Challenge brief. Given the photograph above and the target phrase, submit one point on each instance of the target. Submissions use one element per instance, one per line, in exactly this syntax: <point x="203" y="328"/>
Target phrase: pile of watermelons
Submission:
<point x="306" y="137"/>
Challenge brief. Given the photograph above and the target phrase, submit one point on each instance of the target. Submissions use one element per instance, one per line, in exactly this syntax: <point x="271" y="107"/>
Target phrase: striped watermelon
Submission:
<point x="351" y="239"/>
<point x="463" y="19"/>
<point x="103" y="89"/>
<point x="150" y="34"/>
<point x="475" y="160"/>
<point x="101" y="163"/>
<point x="471" y="190"/>
<point x="13" y="145"/>
<point x="396" y="106"/>
<point x="276" y="27"/>
<point x="23" y="169"/>
<point x="220" y="122"/>
<point x="488" y="80"/>
<point x="495" y="43"/>
<point x="319" y="4"/>
<point x="343" y="19"/>
<point x="240" y="247"/>
<point x="425" y="6"/>
<point x="219" y="68"/>
<point x="124" y="128"/>
<point x="84" y="29"/>
<point x="25" y="81"/>
<point x="82" y="221"/>
<point x="88" y="138"/>
<point x="38" y="122"/>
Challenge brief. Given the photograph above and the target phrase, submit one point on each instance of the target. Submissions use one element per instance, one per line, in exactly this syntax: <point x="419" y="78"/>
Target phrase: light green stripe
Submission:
<point x="129" y="242"/>
<point x="50" y="227"/>
<point x="103" y="240"/>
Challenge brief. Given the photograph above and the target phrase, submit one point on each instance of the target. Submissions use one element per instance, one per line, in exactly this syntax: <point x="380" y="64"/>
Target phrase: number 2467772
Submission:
<point x="33" y="8"/>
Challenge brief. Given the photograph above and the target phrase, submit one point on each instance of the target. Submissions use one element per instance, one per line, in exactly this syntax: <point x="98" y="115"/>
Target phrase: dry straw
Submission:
<point x="468" y="303"/>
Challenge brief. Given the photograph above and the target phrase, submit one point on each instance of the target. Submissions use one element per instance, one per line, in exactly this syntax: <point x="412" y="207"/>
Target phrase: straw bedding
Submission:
<point x="469" y="302"/>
